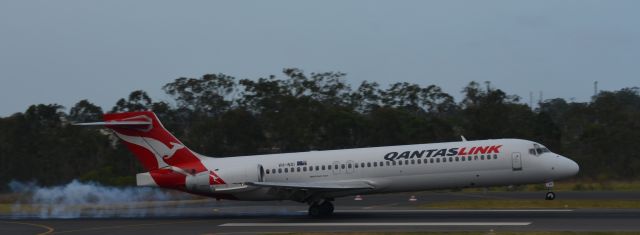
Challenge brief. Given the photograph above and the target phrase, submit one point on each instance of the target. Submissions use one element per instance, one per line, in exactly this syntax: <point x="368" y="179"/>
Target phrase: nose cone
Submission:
<point x="569" y="167"/>
<point x="573" y="167"/>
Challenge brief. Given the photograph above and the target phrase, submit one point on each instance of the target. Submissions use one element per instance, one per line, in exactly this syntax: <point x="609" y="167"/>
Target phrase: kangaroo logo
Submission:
<point x="159" y="149"/>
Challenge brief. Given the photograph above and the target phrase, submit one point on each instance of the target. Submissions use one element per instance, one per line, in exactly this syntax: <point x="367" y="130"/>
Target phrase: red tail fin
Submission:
<point x="152" y="144"/>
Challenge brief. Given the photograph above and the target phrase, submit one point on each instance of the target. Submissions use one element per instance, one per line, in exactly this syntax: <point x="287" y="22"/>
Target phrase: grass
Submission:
<point x="532" y="204"/>
<point x="579" y="185"/>
<point x="472" y="233"/>
<point x="5" y="208"/>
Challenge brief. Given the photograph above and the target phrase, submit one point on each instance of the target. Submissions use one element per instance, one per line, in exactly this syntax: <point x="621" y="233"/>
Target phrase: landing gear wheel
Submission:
<point x="321" y="210"/>
<point x="315" y="210"/>
<point x="550" y="196"/>
<point x="326" y="208"/>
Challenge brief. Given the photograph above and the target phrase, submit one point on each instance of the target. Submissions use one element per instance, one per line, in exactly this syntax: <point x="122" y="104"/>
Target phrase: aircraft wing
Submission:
<point x="316" y="186"/>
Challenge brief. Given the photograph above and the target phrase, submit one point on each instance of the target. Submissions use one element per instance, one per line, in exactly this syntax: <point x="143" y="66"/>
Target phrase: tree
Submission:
<point x="207" y="95"/>
<point x="85" y="111"/>
<point x="137" y="101"/>
<point x="217" y="116"/>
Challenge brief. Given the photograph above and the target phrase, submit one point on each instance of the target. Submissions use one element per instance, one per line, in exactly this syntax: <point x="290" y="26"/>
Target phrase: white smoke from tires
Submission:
<point x="78" y="199"/>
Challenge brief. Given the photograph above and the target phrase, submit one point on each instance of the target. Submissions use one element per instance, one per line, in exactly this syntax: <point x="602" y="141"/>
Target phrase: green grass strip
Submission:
<point x="532" y="204"/>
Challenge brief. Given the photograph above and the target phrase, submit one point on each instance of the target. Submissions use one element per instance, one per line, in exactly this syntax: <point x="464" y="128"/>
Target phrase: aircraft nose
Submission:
<point x="571" y="168"/>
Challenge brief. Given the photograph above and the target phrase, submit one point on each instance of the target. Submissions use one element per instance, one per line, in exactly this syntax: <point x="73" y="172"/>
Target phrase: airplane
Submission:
<point x="318" y="177"/>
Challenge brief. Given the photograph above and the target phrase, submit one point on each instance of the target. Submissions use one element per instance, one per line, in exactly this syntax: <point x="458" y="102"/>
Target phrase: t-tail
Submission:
<point x="166" y="159"/>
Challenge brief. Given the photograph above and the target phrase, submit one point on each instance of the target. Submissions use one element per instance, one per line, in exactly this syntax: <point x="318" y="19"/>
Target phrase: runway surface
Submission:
<point x="393" y="212"/>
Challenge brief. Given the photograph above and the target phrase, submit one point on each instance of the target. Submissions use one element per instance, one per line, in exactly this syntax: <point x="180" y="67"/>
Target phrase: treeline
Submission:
<point x="220" y="115"/>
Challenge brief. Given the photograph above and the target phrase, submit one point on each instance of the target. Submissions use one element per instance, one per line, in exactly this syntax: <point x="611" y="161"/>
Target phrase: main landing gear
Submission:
<point x="550" y="194"/>
<point x="322" y="208"/>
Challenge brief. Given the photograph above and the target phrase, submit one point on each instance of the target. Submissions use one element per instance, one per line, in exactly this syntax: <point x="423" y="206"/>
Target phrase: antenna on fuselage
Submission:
<point x="463" y="139"/>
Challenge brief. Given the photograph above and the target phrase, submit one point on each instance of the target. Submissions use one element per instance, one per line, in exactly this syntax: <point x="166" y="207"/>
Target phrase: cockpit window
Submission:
<point x="542" y="150"/>
<point x="537" y="150"/>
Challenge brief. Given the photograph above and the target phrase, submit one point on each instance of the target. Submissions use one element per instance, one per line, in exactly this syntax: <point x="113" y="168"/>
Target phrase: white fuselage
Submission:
<point x="389" y="170"/>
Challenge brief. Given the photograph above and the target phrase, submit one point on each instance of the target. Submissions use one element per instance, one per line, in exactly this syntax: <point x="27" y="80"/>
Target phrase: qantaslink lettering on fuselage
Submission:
<point x="391" y="156"/>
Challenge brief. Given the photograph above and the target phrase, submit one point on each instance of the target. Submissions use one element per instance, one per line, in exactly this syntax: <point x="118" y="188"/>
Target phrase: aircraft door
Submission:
<point x="261" y="175"/>
<point x="335" y="167"/>
<point x="350" y="167"/>
<point x="516" y="161"/>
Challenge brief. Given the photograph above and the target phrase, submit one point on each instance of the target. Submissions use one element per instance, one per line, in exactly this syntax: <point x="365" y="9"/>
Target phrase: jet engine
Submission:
<point x="200" y="182"/>
<point x="234" y="177"/>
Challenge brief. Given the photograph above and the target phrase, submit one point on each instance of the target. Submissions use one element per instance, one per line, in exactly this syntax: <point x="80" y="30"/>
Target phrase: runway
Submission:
<point x="391" y="213"/>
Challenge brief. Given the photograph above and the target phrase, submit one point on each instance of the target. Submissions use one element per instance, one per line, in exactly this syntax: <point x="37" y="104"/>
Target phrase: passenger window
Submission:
<point x="298" y="169"/>
<point x="450" y="159"/>
<point x="335" y="167"/>
<point x="419" y="161"/>
<point x="375" y="164"/>
<point x="356" y="165"/>
<point x="388" y="163"/>
<point x="400" y="162"/>
<point x="438" y="160"/>
<point x="406" y="162"/>
<point x="475" y="157"/>
<point x="304" y="169"/>
<point x="393" y="162"/>
<point x="286" y="170"/>
<point x="349" y="165"/>
<point x="323" y="168"/>
<point x="481" y="157"/>
<point x="342" y="166"/>
<point x="495" y="156"/>
<point x="329" y="167"/>
<point x="381" y="163"/>
<point x="368" y="164"/>
<point x="431" y="160"/>
<point x="279" y="170"/>
<point x="267" y="171"/>
<point x="413" y="162"/>
<point x="444" y="159"/>
<point x="457" y="159"/>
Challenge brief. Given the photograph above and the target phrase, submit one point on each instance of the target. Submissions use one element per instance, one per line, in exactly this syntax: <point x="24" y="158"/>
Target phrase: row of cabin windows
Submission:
<point x="381" y="164"/>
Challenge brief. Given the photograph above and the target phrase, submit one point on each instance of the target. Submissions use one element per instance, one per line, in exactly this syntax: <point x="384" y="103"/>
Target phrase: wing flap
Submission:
<point x="331" y="186"/>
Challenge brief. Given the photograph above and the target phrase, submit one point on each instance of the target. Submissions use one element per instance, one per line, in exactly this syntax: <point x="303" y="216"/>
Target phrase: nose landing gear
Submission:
<point x="322" y="208"/>
<point x="550" y="194"/>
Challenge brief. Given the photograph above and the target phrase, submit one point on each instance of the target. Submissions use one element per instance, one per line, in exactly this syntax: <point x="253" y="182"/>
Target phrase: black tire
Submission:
<point x="550" y="196"/>
<point x="327" y="208"/>
<point x="315" y="211"/>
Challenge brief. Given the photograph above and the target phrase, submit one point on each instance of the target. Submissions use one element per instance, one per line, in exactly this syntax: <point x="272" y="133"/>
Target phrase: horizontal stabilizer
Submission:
<point x="115" y="123"/>
<point x="145" y="179"/>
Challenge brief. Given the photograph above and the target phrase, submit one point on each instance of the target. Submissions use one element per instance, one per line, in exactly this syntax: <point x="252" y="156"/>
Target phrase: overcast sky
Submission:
<point x="65" y="51"/>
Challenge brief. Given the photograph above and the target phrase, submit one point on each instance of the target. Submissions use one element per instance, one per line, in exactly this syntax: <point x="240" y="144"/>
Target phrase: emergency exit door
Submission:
<point x="516" y="161"/>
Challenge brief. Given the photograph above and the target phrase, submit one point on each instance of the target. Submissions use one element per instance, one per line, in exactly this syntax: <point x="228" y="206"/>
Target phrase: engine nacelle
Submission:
<point x="237" y="176"/>
<point x="201" y="182"/>
<point x="233" y="177"/>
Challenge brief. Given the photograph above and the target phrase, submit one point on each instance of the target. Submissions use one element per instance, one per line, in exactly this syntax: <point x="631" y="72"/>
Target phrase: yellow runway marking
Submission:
<point x="49" y="229"/>
<point x="124" y="226"/>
